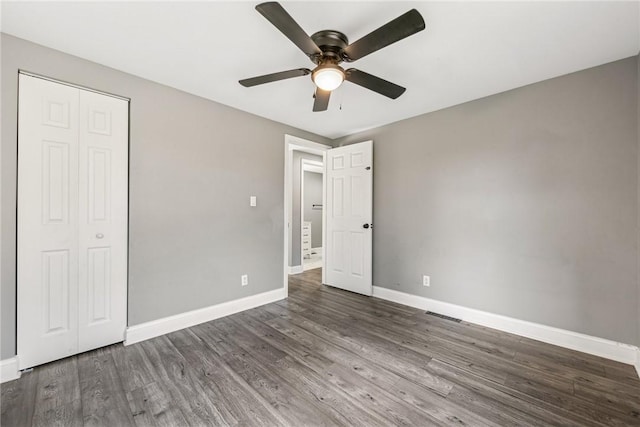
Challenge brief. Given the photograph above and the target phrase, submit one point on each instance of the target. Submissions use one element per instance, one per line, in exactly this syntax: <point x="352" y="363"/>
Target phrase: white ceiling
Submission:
<point x="469" y="50"/>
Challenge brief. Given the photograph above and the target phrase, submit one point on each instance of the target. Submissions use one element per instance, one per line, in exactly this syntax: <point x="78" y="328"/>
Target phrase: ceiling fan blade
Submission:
<point x="374" y="83"/>
<point x="289" y="27"/>
<point x="321" y="102"/>
<point x="393" y="31"/>
<point x="274" y="77"/>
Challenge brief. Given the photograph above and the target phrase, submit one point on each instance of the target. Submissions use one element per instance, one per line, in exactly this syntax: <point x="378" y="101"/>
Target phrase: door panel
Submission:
<point x="337" y="199"/>
<point x="357" y="253"/>
<point x="99" y="286"/>
<point x="99" y="197"/>
<point x="338" y="251"/>
<point x="349" y="199"/>
<point x="55" y="193"/>
<point x="47" y="221"/>
<point x="103" y="220"/>
<point x="358" y="192"/>
<point x="56" y="282"/>
<point x="56" y="111"/>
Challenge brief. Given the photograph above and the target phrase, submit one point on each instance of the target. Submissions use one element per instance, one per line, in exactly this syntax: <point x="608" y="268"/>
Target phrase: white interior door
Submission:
<point x="349" y="206"/>
<point x="71" y="286"/>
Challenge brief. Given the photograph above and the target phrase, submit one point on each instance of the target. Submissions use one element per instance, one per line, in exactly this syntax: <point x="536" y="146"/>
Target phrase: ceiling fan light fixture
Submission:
<point x="328" y="48"/>
<point x="328" y="76"/>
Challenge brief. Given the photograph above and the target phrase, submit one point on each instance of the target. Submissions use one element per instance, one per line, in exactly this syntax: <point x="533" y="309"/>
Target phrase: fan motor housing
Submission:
<point x="331" y="43"/>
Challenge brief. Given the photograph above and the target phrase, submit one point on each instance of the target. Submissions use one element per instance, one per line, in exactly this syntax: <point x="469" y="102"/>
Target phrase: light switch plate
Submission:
<point x="253" y="201"/>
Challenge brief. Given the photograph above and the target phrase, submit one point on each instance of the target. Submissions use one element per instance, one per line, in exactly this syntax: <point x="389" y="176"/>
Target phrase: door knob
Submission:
<point x="365" y="226"/>
<point x="99" y="236"/>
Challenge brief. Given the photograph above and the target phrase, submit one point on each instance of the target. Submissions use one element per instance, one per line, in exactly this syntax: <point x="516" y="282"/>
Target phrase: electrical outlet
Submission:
<point x="426" y="281"/>
<point x="245" y="279"/>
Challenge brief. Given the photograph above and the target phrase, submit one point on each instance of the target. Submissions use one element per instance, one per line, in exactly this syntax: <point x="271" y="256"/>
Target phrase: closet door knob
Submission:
<point x="99" y="236"/>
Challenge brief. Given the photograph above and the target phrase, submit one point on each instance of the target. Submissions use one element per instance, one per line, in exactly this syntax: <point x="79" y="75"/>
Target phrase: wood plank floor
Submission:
<point x="327" y="357"/>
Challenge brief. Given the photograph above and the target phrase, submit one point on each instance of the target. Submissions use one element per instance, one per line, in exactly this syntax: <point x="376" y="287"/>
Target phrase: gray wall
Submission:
<point x="313" y="195"/>
<point x="638" y="130"/>
<point x="522" y="204"/>
<point x="295" y="244"/>
<point x="193" y="165"/>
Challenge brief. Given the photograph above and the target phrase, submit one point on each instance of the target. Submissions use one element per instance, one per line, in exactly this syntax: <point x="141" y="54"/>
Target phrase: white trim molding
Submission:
<point x="9" y="369"/>
<point x="312" y="166"/>
<point x="156" y="328"/>
<point x="608" y="349"/>
<point x="637" y="365"/>
<point x="295" y="269"/>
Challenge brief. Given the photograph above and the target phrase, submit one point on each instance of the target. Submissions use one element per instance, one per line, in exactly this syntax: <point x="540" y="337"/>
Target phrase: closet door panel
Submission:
<point x="103" y="220"/>
<point x="47" y="255"/>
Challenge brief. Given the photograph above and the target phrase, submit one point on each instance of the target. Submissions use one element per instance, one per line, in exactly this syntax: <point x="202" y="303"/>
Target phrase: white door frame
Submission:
<point x="309" y="166"/>
<point x="292" y="143"/>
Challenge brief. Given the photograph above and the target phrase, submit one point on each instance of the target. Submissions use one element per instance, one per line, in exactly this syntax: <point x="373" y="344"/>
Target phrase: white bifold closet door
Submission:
<point x="72" y="220"/>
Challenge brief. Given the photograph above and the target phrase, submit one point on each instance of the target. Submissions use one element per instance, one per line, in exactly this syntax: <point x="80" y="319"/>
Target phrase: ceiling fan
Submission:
<point x="328" y="48"/>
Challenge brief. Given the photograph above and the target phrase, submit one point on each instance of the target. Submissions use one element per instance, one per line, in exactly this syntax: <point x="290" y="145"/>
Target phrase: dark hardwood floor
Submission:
<point x="327" y="357"/>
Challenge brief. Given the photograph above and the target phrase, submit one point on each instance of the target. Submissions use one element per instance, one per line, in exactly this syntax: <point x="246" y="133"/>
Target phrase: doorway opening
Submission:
<point x="301" y="154"/>
<point x="311" y="208"/>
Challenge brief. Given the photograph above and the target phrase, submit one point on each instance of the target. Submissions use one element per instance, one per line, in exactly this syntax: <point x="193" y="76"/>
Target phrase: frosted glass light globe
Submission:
<point x="328" y="78"/>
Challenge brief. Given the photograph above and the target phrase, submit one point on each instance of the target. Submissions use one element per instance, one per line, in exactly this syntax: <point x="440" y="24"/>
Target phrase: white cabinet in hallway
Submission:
<point x="306" y="240"/>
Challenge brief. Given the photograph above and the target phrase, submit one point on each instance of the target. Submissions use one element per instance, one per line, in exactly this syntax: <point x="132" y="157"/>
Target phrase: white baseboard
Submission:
<point x="296" y="269"/>
<point x="9" y="369"/>
<point x="608" y="349"/>
<point x="637" y="365"/>
<point x="155" y="328"/>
